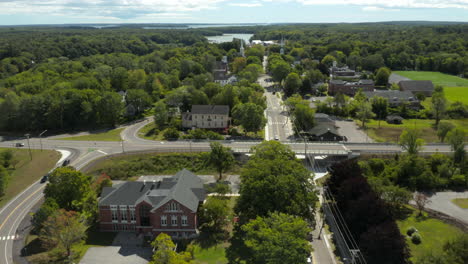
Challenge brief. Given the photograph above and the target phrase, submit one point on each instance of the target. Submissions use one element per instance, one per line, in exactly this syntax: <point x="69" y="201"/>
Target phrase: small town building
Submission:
<point x="417" y="87"/>
<point x="150" y="208"/>
<point x="349" y="88"/>
<point x="223" y="78"/>
<point x="395" y="79"/>
<point x="325" y="132"/>
<point x="396" y="98"/>
<point x="206" y="116"/>
<point x="394" y="119"/>
<point x="344" y="71"/>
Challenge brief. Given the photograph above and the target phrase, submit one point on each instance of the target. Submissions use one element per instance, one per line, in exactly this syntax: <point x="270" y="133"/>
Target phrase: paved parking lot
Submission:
<point x="352" y="132"/>
<point x="117" y="255"/>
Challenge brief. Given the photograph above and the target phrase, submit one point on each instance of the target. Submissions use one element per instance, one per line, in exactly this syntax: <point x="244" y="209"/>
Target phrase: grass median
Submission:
<point x="26" y="171"/>
<point x="110" y="135"/>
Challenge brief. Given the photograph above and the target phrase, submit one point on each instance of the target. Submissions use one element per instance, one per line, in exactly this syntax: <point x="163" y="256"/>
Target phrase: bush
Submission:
<point x="411" y="230"/>
<point x="458" y="180"/>
<point x="170" y="133"/>
<point x="416" y="238"/>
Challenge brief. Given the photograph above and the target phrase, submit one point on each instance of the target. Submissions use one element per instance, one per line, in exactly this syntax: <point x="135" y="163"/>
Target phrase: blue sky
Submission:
<point x="20" y="12"/>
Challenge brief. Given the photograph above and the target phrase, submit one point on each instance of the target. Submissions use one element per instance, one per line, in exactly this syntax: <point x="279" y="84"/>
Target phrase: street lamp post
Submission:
<point x="40" y="138"/>
<point x="29" y="145"/>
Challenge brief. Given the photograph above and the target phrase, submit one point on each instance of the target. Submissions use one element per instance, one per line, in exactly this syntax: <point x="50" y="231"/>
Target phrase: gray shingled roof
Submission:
<point x="391" y="94"/>
<point x="415" y="86"/>
<point x="185" y="188"/>
<point x="322" y="128"/>
<point x="210" y="109"/>
<point x="396" y="78"/>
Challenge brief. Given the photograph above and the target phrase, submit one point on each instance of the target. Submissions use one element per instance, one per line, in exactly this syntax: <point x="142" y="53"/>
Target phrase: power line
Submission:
<point x="355" y="252"/>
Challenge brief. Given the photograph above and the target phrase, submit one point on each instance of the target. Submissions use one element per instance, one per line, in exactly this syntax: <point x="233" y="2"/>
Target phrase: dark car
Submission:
<point x="45" y="178"/>
<point x="65" y="162"/>
<point x="19" y="144"/>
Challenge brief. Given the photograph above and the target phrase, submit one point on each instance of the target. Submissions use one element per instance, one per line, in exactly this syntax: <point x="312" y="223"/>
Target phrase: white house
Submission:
<point x="206" y="116"/>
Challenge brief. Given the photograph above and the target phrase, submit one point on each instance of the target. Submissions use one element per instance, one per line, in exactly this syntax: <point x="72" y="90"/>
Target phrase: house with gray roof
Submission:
<point x="423" y="87"/>
<point x="166" y="206"/>
<point x="396" y="98"/>
<point x="207" y="117"/>
<point x="349" y="88"/>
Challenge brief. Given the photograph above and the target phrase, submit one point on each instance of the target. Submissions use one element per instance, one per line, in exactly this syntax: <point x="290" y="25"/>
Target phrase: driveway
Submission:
<point x="441" y="201"/>
<point x="126" y="248"/>
<point x="117" y="255"/>
<point x="352" y="132"/>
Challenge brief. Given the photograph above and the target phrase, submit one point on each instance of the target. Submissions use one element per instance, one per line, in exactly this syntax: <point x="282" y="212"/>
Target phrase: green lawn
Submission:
<point x="459" y="94"/>
<point x="212" y="255"/>
<point x="391" y="132"/>
<point x="27" y="171"/>
<point x="434" y="234"/>
<point x="437" y="78"/>
<point x="150" y="132"/>
<point x="461" y="202"/>
<point x="111" y="135"/>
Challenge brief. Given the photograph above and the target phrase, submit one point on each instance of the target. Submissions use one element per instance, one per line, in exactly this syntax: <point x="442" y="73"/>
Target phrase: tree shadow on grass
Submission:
<point x="403" y="213"/>
<point x="209" y="239"/>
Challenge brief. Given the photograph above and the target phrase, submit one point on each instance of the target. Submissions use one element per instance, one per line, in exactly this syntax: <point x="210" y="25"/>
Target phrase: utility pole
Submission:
<point x="40" y="138"/>
<point x="29" y="146"/>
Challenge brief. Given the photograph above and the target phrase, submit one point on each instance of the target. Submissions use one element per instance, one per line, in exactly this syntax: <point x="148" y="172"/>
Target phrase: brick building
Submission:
<point x="168" y="206"/>
<point x="349" y="88"/>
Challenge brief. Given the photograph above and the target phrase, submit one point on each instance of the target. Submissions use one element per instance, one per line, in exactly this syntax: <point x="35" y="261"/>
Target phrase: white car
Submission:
<point x="309" y="260"/>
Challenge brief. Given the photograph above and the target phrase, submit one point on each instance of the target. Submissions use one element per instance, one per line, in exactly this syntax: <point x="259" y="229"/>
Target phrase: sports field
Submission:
<point x="437" y="78"/>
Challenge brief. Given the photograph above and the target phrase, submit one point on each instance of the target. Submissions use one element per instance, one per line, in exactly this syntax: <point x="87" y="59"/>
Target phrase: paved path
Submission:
<point x="442" y="202"/>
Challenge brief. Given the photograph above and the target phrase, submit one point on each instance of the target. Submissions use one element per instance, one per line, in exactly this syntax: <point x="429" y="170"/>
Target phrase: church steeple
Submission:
<point x="242" y="53"/>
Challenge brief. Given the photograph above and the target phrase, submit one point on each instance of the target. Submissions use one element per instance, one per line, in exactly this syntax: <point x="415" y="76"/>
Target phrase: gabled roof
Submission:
<point x="392" y="94"/>
<point x="415" y="86"/>
<point x="396" y="78"/>
<point x="322" y="128"/>
<point x="210" y="109"/>
<point x="185" y="188"/>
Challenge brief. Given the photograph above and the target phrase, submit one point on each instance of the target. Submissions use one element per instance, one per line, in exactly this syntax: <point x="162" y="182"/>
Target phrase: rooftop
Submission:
<point x="210" y="109"/>
<point x="184" y="187"/>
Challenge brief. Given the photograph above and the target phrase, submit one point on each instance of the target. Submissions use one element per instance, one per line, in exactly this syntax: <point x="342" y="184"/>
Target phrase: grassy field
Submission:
<point x="111" y="135"/>
<point x="461" y="202"/>
<point x="212" y="255"/>
<point x="437" y="78"/>
<point x="391" y="132"/>
<point x="27" y="171"/>
<point x="459" y="94"/>
<point x="129" y="166"/>
<point x="149" y="132"/>
<point x="434" y="234"/>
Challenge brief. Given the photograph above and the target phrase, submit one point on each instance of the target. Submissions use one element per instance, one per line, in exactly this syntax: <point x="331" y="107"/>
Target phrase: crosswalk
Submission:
<point x="8" y="238"/>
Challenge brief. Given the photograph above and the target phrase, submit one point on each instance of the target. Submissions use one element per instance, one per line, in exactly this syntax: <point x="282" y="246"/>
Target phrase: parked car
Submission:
<point x="45" y="178"/>
<point x="309" y="260"/>
<point x="19" y="144"/>
<point x="65" y="162"/>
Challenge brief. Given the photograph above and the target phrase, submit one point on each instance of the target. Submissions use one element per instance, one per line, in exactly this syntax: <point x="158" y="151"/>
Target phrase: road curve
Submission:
<point x="83" y="152"/>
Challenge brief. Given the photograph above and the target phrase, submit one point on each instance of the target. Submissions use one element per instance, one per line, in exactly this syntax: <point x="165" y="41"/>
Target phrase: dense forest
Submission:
<point x="69" y="78"/>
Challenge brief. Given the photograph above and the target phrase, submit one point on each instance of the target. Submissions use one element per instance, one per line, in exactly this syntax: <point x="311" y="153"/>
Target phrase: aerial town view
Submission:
<point x="233" y="132"/>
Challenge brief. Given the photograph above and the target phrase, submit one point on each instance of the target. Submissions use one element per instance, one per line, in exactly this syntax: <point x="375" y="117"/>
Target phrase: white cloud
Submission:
<point x="377" y="9"/>
<point x="254" y="4"/>
<point x="109" y="8"/>
<point x="392" y="4"/>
